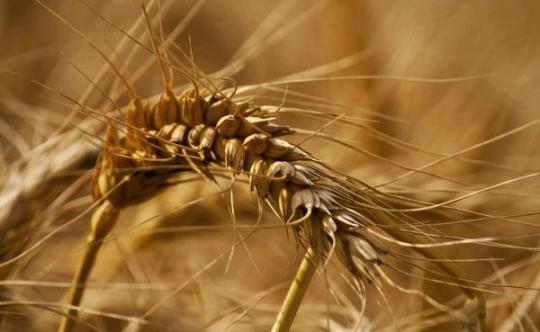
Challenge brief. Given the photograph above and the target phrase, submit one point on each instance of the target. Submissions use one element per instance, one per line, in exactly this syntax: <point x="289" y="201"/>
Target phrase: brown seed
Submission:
<point x="165" y="111"/>
<point x="219" y="147"/>
<point x="283" y="150"/>
<point x="194" y="136"/>
<point x="207" y="137"/>
<point x="250" y="125"/>
<point x="256" y="143"/>
<point x="191" y="108"/>
<point x="275" y="129"/>
<point x="364" y="249"/>
<point x="282" y="170"/>
<point x="329" y="225"/>
<point x="284" y="203"/>
<point x="228" y="126"/>
<point x="303" y="198"/>
<point x="258" y="180"/>
<point x="135" y="114"/>
<point x="178" y="134"/>
<point x="102" y="184"/>
<point x="216" y="111"/>
<point x="166" y="131"/>
<point x="300" y="178"/>
<point x="234" y="155"/>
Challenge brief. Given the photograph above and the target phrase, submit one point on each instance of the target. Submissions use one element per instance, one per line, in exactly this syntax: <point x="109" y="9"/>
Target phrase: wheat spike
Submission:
<point x="200" y="130"/>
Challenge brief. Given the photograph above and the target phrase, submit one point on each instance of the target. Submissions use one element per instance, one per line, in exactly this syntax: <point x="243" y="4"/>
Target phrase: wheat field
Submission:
<point x="177" y="165"/>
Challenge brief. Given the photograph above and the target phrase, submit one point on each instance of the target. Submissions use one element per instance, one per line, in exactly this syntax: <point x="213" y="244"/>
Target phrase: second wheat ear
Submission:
<point x="198" y="130"/>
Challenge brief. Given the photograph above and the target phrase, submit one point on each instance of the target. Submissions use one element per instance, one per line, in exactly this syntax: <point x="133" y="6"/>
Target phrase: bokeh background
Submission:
<point x="154" y="267"/>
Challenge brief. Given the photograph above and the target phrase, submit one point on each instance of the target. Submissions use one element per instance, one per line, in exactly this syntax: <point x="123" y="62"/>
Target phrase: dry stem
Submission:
<point x="102" y="222"/>
<point x="296" y="292"/>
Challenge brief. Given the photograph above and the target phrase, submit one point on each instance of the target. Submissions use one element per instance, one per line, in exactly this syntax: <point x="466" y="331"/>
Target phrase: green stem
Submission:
<point x="296" y="293"/>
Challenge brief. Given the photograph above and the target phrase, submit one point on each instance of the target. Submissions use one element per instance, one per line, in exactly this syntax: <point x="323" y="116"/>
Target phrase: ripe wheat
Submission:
<point x="199" y="130"/>
<point x="217" y="133"/>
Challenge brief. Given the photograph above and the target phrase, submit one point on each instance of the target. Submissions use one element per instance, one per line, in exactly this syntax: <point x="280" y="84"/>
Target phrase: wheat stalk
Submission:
<point x="296" y="292"/>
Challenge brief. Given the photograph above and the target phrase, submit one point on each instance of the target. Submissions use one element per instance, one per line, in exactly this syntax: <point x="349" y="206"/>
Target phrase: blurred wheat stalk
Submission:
<point x="473" y="135"/>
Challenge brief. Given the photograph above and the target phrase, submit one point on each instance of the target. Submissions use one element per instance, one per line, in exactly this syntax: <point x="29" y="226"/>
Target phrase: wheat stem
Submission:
<point x="296" y="292"/>
<point x="102" y="222"/>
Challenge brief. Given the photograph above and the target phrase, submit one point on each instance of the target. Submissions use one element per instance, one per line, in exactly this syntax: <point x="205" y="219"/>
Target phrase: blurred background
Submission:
<point x="380" y="62"/>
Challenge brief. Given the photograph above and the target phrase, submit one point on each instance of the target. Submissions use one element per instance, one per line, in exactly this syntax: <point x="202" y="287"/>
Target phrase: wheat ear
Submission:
<point x="199" y="129"/>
